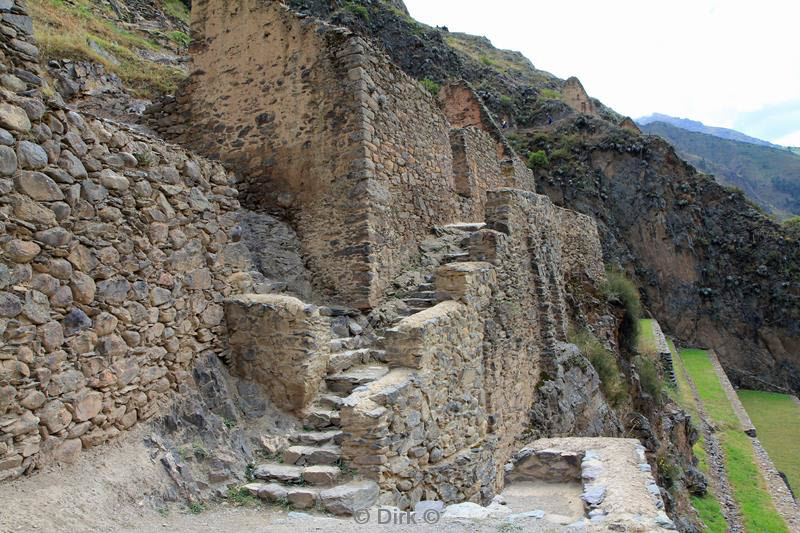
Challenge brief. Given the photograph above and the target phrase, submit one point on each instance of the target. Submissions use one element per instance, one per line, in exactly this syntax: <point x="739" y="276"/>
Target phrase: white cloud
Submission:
<point x="793" y="139"/>
<point x="708" y="60"/>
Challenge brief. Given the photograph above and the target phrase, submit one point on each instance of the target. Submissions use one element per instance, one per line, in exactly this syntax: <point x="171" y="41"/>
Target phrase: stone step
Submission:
<point x="343" y="499"/>
<point x="312" y="455"/>
<point x="320" y="418"/>
<point x="300" y="497"/>
<point x="420" y="302"/>
<point x="425" y="295"/>
<point x="329" y="401"/>
<point x="466" y="226"/>
<point x="455" y="257"/>
<point x="412" y="311"/>
<point x="345" y="382"/>
<point x="347" y="343"/>
<point x="317" y="437"/>
<point x="426" y="287"/>
<point x="340" y="361"/>
<point x="278" y="472"/>
<point x="321" y="474"/>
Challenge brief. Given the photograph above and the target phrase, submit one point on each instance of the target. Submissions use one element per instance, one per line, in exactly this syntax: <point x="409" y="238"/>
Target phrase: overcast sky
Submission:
<point x="728" y="63"/>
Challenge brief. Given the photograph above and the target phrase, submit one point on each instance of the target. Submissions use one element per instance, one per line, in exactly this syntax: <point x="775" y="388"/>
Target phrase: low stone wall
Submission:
<point x="115" y="256"/>
<point x="432" y="403"/>
<point x="280" y="342"/>
<point x="619" y="491"/>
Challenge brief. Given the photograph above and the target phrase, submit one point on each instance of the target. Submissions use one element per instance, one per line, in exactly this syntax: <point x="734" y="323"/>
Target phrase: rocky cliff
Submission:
<point x="713" y="269"/>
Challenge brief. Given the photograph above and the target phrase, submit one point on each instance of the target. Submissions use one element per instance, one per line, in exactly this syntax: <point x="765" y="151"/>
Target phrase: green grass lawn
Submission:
<point x="707" y="506"/>
<point x="777" y="420"/>
<point x="749" y="488"/>
<point x="646" y="341"/>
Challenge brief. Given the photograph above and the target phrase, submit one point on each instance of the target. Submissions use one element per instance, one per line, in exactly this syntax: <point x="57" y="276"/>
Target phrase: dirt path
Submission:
<point x="719" y="482"/>
<point x="778" y="491"/>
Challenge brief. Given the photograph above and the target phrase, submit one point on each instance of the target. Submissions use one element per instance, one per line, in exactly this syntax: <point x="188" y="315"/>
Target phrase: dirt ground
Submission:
<point x="119" y="488"/>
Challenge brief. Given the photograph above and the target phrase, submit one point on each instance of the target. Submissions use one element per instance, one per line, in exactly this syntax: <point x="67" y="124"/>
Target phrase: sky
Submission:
<point x="728" y="63"/>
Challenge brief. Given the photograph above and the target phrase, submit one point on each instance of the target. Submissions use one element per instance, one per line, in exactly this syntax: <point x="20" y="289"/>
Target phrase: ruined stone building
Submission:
<point x="124" y="261"/>
<point x="575" y="96"/>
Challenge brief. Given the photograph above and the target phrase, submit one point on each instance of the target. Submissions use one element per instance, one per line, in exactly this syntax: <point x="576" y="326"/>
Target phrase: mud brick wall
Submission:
<point x="115" y="255"/>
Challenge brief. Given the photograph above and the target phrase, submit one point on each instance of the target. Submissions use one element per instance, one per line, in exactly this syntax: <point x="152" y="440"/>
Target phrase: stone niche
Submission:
<point x="329" y="130"/>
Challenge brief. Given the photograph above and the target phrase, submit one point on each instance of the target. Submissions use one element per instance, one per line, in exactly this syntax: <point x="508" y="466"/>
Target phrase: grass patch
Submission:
<point x="749" y="489"/>
<point x="709" y="388"/>
<point x="777" y="420"/>
<point x="196" y="507"/>
<point x="241" y="497"/>
<point x="612" y="381"/>
<point x="431" y="86"/>
<point x="357" y="9"/>
<point x="179" y="37"/>
<point x="647" y="339"/>
<point x="710" y="513"/>
<point x="63" y="31"/>
<point x="177" y="9"/>
<point x="538" y="159"/>
<point x="618" y="288"/>
<point x="549" y="94"/>
<point x="707" y="505"/>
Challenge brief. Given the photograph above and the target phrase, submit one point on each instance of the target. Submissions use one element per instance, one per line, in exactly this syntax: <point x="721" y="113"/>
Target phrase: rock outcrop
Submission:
<point x="713" y="269"/>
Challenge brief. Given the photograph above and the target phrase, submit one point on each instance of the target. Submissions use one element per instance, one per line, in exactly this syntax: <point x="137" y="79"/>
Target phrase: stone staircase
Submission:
<point x="669" y="369"/>
<point x="310" y="473"/>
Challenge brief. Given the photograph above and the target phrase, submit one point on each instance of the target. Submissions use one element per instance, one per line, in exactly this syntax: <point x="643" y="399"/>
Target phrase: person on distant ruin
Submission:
<point x="505" y="124"/>
<point x="549" y="120"/>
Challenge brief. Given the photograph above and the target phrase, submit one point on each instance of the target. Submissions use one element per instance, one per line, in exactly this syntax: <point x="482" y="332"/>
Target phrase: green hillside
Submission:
<point x="769" y="176"/>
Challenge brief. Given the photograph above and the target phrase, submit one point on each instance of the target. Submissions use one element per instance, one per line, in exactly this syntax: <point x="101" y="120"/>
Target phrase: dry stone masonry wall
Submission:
<point x="115" y="256"/>
<point x="360" y="154"/>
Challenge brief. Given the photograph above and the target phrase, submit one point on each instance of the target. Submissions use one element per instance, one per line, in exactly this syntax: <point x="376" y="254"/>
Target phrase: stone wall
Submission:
<point x="466" y="372"/>
<point x="464" y="109"/>
<point x="336" y="135"/>
<point x="581" y="252"/>
<point x="115" y="255"/>
<point x="574" y="95"/>
<point x="280" y="342"/>
<point x="433" y="402"/>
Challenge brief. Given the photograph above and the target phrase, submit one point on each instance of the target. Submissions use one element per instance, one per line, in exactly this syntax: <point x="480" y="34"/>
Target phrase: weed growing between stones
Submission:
<point x="619" y="289"/>
<point x="612" y="381"/>
<point x="196" y="507"/>
<point x="241" y="497"/>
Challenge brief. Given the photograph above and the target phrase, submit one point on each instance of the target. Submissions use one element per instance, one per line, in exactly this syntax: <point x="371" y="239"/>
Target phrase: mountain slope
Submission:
<point x="769" y="176"/>
<point x="699" y="127"/>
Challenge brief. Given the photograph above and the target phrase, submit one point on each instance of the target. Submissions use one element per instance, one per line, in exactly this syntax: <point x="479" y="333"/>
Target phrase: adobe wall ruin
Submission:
<point x="326" y="127"/>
